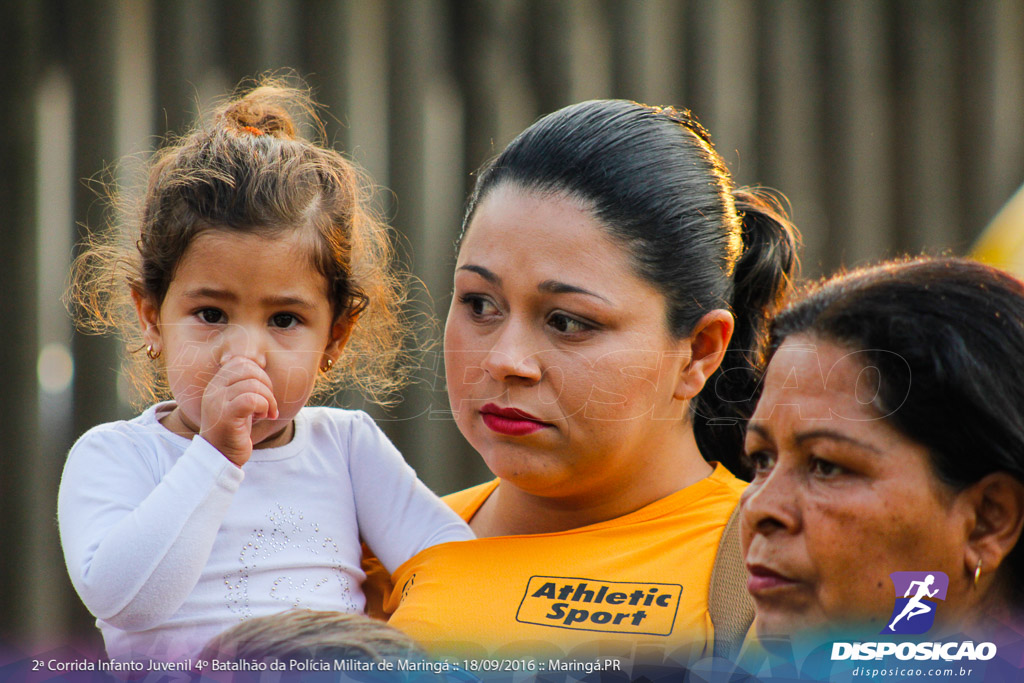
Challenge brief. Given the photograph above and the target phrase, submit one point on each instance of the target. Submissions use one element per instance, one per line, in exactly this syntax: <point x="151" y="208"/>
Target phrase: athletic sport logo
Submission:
<point x="606" y="606"/>
<point x="914" y="612"/>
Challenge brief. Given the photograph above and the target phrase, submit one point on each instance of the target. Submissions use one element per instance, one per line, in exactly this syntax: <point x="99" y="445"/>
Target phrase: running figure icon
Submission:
<point x="916" y="595"/>
<point x="915" y="606"/>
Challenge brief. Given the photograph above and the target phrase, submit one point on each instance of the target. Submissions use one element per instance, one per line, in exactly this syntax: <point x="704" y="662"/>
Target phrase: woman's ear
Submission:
<point x="997" y="503"/>
<point x="707" y="345"/>
<point x="149" y="319"/>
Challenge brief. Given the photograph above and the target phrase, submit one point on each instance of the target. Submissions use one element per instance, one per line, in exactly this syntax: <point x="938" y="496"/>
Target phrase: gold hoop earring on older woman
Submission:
<point x="977" y="573"/>
<point x="152" y="353"/>
<point x="326" y="367"/>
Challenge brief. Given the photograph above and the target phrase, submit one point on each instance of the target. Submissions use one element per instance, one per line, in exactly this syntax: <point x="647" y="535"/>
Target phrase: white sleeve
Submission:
<point x="398" y="515"/>
<point x="135" y="544"/>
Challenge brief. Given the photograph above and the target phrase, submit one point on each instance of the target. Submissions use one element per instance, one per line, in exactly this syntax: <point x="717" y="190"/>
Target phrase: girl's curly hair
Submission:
<point x="249" y="168"/>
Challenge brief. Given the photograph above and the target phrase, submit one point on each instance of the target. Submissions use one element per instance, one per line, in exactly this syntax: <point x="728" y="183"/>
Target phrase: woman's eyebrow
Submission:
<point x="482" y="272"/>
<point x="762" y="432"/>
<point x="556" y="287"/>
<point x="758" y="429"/>
<point x="549" y="286"/>
<point x="834" y="436"/>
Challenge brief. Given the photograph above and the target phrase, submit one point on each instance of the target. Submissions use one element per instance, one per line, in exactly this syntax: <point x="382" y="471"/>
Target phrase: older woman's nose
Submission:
<point x="772" y="504"/>
<point x="512" y="356"/>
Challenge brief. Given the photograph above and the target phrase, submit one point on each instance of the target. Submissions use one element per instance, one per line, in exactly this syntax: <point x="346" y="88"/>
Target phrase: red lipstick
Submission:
<point x="510" y="421"/>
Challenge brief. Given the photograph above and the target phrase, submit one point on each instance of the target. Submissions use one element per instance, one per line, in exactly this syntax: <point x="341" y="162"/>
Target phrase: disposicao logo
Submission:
<point x="914" y="612"/>
<point x="917" y="594"/>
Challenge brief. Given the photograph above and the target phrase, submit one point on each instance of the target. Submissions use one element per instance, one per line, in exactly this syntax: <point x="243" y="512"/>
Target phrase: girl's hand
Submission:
<point x="239" y="393"/>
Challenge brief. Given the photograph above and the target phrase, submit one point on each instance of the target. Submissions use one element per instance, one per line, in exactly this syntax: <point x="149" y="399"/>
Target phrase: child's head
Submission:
<point x="247" y="183"/>
<point x="302" y="635"/>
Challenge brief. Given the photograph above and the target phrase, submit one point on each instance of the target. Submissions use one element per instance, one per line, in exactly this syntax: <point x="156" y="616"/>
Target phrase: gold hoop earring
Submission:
<point x="326" y="367"/>
<point x="977" y="573"/>
<point x="152" y="353"/>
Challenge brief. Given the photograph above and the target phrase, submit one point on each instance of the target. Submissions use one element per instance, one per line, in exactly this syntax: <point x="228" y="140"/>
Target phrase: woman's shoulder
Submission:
<point x="466" y="502"/>
<point x="726" y="480"/>
<point x="715" y="495"/>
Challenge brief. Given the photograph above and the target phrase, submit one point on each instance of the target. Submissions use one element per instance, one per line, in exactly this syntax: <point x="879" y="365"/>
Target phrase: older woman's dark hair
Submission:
<point x="946" y="337"/>
<point x="651" y="176"/>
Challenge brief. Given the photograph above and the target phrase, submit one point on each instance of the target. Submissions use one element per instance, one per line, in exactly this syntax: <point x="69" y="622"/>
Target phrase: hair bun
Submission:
<point x="253" y="115"/>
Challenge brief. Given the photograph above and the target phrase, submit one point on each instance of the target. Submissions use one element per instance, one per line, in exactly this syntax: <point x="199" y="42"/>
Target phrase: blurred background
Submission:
<point x="892" y="126"/>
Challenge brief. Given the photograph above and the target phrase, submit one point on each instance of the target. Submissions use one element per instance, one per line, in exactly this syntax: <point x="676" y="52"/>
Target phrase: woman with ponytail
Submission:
<point x="602" y="350"/>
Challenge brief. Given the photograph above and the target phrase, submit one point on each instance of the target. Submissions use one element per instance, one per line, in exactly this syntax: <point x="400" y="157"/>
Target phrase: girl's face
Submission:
<point x="258" y="298"/>
<point x="561" y="370"/>
<point x="840" y="499"/>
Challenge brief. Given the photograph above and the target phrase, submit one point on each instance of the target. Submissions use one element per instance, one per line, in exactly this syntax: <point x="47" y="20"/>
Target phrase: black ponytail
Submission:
<point x="762" y="278"/>
<point x="652" y="177"/>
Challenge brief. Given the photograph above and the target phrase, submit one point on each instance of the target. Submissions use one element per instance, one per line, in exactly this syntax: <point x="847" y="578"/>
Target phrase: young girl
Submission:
<point x="255" y="257"/>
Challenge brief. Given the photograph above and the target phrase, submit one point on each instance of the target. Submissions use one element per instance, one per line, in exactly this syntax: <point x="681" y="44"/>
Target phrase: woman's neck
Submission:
<point x="511" y="510"/>
<point x="991" y="608"/>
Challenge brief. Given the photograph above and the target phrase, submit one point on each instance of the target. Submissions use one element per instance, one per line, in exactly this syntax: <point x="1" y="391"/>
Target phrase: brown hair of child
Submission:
<point x="249" y="169"/>
<point x="308" y="634"/>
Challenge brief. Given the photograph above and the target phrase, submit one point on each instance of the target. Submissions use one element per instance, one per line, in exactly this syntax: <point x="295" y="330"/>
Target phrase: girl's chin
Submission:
<point x="272" y="434"/>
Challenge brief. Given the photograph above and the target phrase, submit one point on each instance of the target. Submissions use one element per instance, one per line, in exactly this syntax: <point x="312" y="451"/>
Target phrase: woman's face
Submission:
<point x="840" y="498"/>
<point x="561" y="370"/>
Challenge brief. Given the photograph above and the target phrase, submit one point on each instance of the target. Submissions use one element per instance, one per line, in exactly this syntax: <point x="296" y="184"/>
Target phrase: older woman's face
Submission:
<point x="840" y="498"/>
<point x="560" y="367"/>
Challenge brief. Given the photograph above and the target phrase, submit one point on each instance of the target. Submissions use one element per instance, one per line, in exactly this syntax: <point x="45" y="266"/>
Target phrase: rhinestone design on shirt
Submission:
<point x="288" y="531"/>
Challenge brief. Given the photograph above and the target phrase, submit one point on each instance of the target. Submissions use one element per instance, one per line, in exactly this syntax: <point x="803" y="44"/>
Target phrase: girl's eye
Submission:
<point x="825" y="469"/>
<point x="479" y="307"/>
<point x="211" y="316"/>
<point x="761" y="462"/>
<point x="567" y="325"/>
<point x="284" y="320"/>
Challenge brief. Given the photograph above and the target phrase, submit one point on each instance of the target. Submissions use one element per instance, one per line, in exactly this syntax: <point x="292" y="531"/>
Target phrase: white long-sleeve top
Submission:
<point x="168" y="543"/>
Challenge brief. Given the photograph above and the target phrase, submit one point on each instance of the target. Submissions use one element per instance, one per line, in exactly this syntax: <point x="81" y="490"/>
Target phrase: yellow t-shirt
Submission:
<point x="635" y="586"/>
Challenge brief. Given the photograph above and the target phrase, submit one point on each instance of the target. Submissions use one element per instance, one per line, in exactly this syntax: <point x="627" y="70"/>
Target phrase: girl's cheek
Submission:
<point x="295" y="384"/>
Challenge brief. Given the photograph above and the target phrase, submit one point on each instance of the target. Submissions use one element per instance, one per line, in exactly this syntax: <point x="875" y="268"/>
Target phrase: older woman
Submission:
<point x="888" y="449"/>
<point x="611" y="293"/>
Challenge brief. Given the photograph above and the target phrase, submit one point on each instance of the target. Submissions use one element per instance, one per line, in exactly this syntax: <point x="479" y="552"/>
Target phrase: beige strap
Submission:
<point x="730" y="605"/>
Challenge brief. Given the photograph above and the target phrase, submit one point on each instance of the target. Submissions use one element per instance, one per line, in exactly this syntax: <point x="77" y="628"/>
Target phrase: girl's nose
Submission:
<point x="238" y="341"/>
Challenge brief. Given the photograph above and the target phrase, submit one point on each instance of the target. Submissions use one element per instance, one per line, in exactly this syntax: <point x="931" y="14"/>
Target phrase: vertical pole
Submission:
<point x="19" y="61"/>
